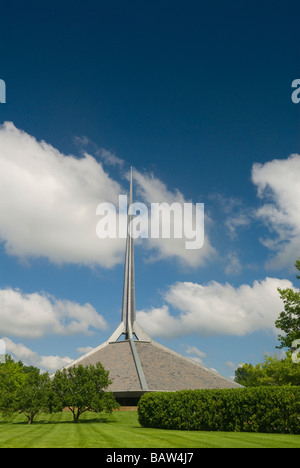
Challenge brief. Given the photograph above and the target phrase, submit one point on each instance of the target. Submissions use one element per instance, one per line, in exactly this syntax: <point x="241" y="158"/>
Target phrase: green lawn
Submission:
<point x="122" y="430"/>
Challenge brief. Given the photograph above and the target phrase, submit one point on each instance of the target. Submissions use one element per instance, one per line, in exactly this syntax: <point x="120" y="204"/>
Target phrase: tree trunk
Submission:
<point x="30" y="418"/>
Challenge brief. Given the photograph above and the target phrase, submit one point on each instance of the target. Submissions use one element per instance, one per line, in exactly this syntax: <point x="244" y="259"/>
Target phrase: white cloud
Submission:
<point x="35" y="315"/>
<point x="48" y="205"/>
<point x="196" y="354"/>
<point x="31" y="358"/>
<point x="216" y="309"/>
<point x="196" y="351"/>
<point x="237" y="216"/>
<point x="48" y="202"/>
<point x="152" y="190"/>
<point x="232" y="365"/>
<point x="158" y="321"/>
<point x="234" y="222"/>
<point x="84" y="350"/>
<point x="107" y="156"/>
<point x="278" y="184"/>
<point x="233" y="264"/>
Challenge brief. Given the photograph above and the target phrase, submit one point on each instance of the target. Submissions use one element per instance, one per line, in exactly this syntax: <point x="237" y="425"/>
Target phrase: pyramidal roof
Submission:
<point x="138" y="364"/>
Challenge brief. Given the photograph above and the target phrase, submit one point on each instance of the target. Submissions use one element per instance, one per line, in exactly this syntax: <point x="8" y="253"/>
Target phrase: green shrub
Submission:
<point x="255" y="409"/>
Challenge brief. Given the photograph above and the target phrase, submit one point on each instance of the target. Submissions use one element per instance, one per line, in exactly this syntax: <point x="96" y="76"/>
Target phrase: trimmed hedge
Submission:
<point x="255" y="409"/>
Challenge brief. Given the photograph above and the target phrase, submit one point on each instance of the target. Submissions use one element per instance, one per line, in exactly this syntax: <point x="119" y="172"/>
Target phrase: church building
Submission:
<point x="136" y="363"/>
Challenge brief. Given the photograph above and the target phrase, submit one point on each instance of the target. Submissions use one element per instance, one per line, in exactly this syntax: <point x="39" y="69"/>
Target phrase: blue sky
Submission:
<point x="196" y="96"/>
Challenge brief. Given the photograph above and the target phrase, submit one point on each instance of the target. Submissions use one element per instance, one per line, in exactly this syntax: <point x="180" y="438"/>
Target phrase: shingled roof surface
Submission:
<point x="118" y="360"/>
<point x="164" y="369"/>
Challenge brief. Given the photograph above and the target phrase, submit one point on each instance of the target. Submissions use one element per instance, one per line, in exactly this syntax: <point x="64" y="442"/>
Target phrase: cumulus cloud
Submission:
<point x="278" y="184"/>
<point x="216" y="309"/>
<point x="37" y="314"/>
<point x="31" y="358"/>
<point x="48" y="204"/>
<point x="153" y="191"/>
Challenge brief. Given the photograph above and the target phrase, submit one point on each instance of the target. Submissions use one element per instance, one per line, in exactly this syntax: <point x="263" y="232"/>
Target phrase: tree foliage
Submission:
<point x="12" y="378"/>
<point x="275" y="371"/>
<point x="32" y="396"/>
<point x="25" y="390"/>
<point x="83" y="388"/>
<point x="263" y="409"/>
<point x="289" y="320"/>
<point x="272" y="372"/>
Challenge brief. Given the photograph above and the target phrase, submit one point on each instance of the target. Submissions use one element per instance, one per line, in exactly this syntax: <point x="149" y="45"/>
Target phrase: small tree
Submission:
<point x="23" y="389"/>
<point x="289" y="320"/>
<point x="32" y="396"/>
<point x="82" y="389"/>
<point x="12" y="378"/>
<point x="274" y="371"/>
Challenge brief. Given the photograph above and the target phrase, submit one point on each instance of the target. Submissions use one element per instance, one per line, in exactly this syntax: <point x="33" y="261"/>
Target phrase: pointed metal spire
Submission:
<point x="128" y="306"/>
<point x="129" y="325"/>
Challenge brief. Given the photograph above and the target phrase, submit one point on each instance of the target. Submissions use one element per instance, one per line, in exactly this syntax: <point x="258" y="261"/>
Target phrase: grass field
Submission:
<point x="122" y="430"/>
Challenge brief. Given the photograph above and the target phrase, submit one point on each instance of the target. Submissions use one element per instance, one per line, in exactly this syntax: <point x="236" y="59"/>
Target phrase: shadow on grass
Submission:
<point x="47" y="422"/>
